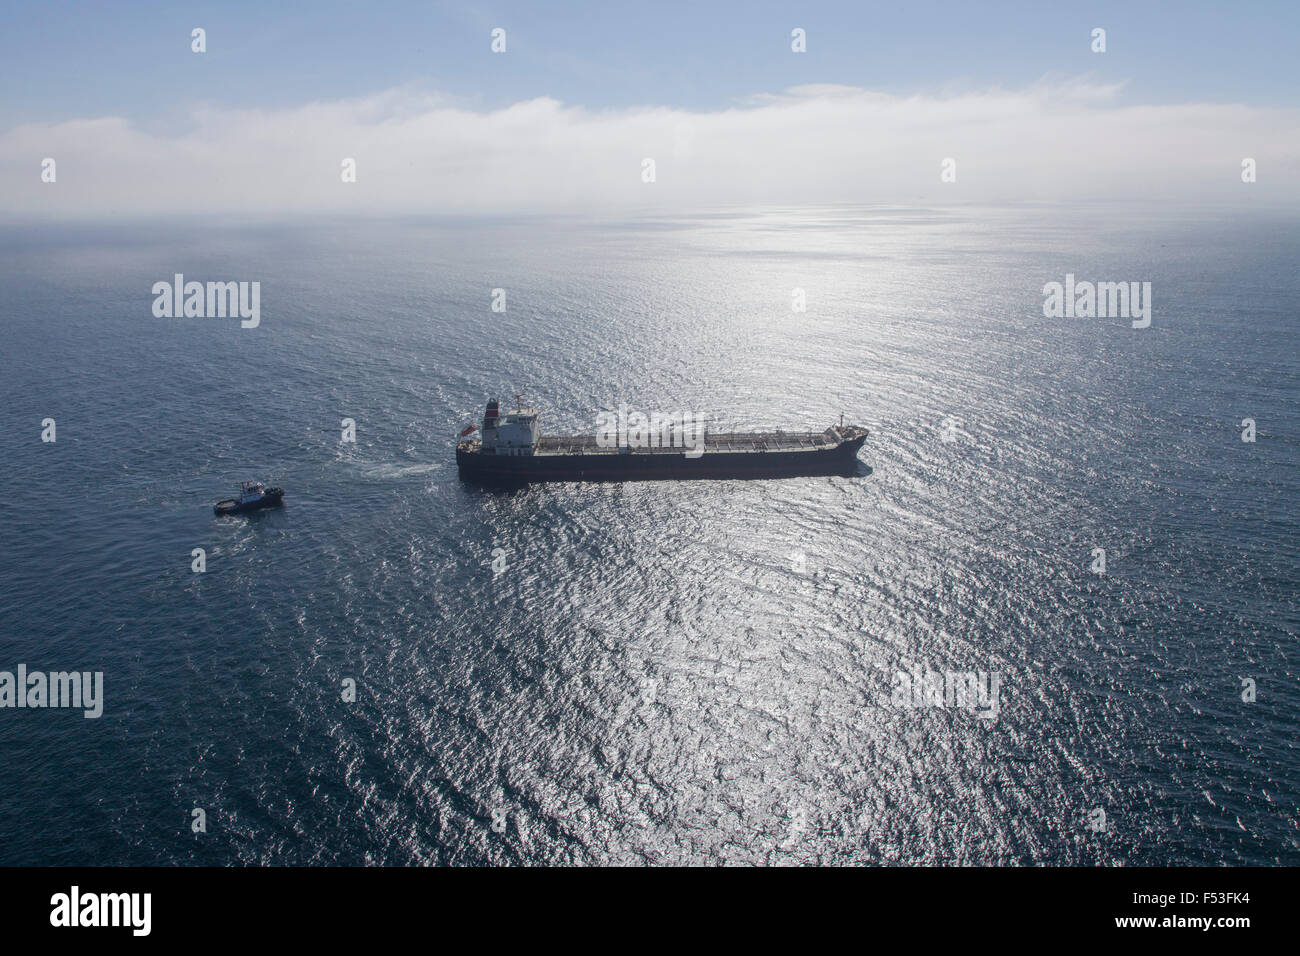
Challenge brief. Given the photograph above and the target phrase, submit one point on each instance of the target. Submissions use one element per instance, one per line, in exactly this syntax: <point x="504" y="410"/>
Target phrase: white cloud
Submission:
<point x="822" y="143"/>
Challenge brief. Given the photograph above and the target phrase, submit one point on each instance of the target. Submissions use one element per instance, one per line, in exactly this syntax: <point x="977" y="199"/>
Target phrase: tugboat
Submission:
<point x="252" y="495"/>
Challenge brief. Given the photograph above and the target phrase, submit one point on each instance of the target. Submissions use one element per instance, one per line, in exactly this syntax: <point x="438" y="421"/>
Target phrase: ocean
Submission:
<point x="668" y="672"/>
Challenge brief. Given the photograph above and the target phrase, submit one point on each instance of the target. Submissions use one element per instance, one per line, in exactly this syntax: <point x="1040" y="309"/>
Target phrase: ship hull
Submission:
<point x="840" y="459"/>
<point x="273" y="498"/>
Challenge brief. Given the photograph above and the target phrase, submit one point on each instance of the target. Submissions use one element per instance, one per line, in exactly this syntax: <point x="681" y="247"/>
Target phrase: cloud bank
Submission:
<point x="418" y="153"/>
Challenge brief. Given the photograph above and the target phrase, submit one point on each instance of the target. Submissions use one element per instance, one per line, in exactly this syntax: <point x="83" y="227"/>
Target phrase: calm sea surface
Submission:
<point x="652" y="678"/>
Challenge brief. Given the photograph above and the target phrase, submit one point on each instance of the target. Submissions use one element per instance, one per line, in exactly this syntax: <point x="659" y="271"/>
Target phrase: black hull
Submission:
<point x="272" y="499"/>
<point x="633" y="466"/>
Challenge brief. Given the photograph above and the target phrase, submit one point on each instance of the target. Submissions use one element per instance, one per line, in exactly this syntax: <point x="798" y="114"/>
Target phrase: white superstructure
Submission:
<point x="514" y="433"/>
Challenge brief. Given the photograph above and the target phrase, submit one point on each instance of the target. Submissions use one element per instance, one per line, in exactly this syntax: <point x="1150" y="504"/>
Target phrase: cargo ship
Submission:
<point x="511" y="449"/>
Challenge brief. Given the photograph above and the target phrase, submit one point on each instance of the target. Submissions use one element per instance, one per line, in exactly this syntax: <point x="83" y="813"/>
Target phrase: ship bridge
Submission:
<point x="514" y="433"/>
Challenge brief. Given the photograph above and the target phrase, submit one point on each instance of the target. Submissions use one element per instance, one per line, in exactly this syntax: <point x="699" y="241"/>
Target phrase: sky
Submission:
<point x="584" y="93"/>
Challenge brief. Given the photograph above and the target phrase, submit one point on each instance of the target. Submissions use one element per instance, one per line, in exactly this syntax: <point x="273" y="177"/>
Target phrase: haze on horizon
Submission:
<point x="218" y="132"/>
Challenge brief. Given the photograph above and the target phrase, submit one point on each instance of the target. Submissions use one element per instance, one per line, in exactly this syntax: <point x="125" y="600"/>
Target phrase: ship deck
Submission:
<point x="739" y="442"/>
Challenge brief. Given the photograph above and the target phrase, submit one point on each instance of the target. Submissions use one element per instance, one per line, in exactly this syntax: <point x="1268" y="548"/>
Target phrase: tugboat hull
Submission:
<point x="233" y="506"/>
